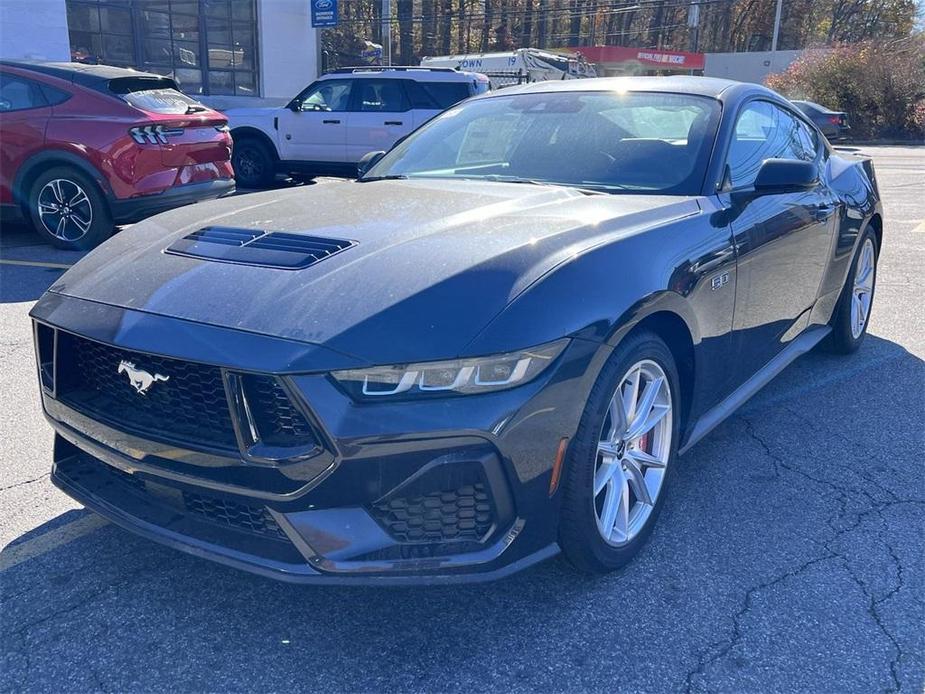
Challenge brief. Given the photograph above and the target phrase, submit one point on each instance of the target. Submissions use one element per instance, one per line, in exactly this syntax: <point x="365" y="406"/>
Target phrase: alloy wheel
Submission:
<point x="65" y="209"/>
<point x="863" y="289"/>
<point x="249" y="166"/>
<point x="633" y="451"/>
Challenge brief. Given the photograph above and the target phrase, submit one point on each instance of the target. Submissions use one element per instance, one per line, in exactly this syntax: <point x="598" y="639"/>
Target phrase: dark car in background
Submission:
<point x="84" y="147"/>
<point x="490" y="348"/>
<point x="833" y="124"/>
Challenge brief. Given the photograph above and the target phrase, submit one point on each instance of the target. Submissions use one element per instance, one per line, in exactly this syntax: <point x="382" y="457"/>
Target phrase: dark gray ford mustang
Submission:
<point x="491" y="348"/>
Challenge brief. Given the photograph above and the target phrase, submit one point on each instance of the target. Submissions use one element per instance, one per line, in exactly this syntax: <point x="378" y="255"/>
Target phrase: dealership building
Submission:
<point x="228" y="52"/>
<point x="262" y="52"/>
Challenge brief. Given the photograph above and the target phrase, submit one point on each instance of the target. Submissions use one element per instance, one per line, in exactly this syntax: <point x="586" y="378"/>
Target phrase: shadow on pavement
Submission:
<point x="793" y="530"/>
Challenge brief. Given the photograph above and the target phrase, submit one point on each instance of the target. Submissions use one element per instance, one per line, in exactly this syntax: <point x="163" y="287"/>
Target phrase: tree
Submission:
<point x="880" y="85"/>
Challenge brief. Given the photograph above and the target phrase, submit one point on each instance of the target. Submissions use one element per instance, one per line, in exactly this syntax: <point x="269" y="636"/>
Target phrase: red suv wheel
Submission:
<point x="68" y="209"/>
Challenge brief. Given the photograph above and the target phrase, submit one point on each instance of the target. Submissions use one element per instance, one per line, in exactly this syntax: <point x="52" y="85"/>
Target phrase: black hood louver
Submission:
<point x="275" y="249"/>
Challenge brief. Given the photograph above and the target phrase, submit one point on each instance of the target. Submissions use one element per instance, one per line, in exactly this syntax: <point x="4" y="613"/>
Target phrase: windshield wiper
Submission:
<point x="388" y="177"/>
<point x="535" y="182"/>
<point x="194" y="109"/>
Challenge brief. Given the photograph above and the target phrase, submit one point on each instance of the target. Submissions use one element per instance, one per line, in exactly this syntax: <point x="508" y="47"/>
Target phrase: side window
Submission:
<point x="765" y="131"/>
<point x="381" y="95"/>
<point x="17" y="94"/>
<point x="436" y="95"/>
<point x="54" y="96"/>
<point x="327" y="95"/>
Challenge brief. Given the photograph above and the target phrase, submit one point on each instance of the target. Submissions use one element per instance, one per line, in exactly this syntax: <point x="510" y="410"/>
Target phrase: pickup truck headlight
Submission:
<point x="454" y="377"/>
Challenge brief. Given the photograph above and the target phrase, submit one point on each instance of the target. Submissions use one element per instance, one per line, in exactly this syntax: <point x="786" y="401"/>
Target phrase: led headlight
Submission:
<point x="458" y="376"/>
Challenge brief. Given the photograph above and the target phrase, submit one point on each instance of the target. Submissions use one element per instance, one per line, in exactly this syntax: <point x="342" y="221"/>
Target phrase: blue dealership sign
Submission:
<point x="324" y="13"/>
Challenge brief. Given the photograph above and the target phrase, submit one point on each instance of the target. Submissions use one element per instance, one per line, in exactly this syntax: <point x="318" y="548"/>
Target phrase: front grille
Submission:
<point x="277" y="419"/>
<point x="189" y="407"/>
<point x="463" y="513"/>
<point x="89" y="473"/>
<point x="242" y="516"/>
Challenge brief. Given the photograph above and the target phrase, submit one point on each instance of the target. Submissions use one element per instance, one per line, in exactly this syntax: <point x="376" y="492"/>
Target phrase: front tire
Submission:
<point x="68" y="209"/>
<point x="253" y="163"/>
<point x="852" y="314"/>
<point x="622" y="457"/>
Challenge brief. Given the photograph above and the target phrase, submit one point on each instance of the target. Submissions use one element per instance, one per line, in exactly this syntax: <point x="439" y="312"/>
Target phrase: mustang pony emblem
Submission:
<point x="140" y="379"/>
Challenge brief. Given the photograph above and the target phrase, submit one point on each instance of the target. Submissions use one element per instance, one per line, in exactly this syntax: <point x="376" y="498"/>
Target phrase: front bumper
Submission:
<point x="448" y="490"/>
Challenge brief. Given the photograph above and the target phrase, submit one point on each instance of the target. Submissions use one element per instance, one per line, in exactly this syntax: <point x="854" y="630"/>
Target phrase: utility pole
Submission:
<point x="776" y="27"/>
<point x="386" y="32"/>
<point x="693" y="25"/>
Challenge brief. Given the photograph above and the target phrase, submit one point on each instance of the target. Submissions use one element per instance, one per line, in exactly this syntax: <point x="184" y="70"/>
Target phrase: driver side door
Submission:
<point x="314" y="126"/>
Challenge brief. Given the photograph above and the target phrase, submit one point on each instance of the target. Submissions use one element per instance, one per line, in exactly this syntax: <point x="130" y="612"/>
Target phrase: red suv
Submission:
<point x="83" y="147"/>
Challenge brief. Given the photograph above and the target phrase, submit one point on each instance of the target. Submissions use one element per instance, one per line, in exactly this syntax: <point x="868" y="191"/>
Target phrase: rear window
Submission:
<point x="437" y="95"/>
<point x="154" y="95"/>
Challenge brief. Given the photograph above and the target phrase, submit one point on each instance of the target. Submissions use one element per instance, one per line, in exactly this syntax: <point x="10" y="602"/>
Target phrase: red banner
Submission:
<point x="650" y="57"/>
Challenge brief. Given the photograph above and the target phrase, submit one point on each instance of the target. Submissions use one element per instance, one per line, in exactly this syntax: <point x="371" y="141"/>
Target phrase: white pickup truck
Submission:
<point x="332" y="123"/>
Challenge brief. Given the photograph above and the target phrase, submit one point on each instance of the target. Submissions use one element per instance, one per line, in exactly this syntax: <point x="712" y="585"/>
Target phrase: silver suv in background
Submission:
<point x="332" y="123"/>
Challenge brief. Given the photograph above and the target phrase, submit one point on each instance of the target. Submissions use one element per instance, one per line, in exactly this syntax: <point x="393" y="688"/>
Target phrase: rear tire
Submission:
<point x="253" y="163"/>
<point x="609" y="457"/>
<point x="852" y="313"/>
<point x="68" y="209"/>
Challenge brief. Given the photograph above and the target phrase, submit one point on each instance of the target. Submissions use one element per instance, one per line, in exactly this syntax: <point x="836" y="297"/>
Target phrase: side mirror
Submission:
<point x="295" y="105"/>
<point x="786" y="176"/>
<point x="369" y="160"/>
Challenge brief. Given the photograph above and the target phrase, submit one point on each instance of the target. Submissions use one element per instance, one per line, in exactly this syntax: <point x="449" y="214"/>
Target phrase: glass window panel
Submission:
<point x="242" y="32"/>
<point x="184" y="7"/>
<point x="221" y="82"/>
<point x="222" y="56"/>
<point x="190" y="81"/>
<point x="155" y="24"/>
<point x="186" y="54"/>
<point x="216" y="8"/>
<point x="242" y="9"/>
<point x="115" y="20"/>
<point x="86" y="47"/>
<point x="118" y="49"/>
<point x="157" y="52"/>
<point x="185" y="28"/>
<point x="153" y="5"/>
<point x="81" y="17"/>
<point x="245" y="83"/>
<point x="218" y="30"/>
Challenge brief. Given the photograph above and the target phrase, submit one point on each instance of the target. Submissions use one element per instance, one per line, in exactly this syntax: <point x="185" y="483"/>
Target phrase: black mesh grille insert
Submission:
<point x="463" y="513"/>
<point x="91" y="474"/>
<point x="276" y="249"/>
<point x="278" y="421"/>
<point x="242" y="516"/>
<point x="189" y="407"/>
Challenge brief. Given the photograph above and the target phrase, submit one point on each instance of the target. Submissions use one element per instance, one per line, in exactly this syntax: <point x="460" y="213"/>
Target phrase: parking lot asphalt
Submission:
<point x="789" y="555"/>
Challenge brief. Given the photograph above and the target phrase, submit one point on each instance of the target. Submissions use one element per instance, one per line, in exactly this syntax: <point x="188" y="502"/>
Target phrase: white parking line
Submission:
<point x="36" y="547"/>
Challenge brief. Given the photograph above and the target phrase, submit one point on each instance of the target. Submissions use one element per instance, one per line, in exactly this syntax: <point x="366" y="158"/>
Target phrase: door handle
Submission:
<point x="823" y="212"/>
<point x="393" y="122"/>
<point x="331" y="122"/>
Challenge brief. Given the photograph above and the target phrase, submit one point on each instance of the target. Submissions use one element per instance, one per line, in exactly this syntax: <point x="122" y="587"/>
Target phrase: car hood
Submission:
<point x="433" y="262"/>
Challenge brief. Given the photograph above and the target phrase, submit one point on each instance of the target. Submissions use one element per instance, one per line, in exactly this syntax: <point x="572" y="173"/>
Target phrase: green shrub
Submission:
<point x="881" y="86"/>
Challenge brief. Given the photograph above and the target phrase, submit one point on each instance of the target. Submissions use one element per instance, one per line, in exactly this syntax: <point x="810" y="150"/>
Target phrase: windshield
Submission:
<point x="609" y="141"/>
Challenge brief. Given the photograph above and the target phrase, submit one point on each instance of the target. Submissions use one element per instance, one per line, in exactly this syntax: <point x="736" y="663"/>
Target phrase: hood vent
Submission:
<point x="275" y="249"/>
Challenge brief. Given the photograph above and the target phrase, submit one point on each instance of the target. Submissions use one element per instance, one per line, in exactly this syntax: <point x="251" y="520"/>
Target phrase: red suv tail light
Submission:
<point x="153" y="134"/>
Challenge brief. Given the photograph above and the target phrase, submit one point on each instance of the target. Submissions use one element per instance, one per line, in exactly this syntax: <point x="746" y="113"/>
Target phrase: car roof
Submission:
<point x="413" y="72"/>
<point x="94" y="76"/>
<point x="679" y="84"/>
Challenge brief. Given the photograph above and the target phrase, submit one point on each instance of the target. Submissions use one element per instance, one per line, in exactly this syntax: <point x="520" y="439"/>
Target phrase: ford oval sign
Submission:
<point x="324" y="13"/>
